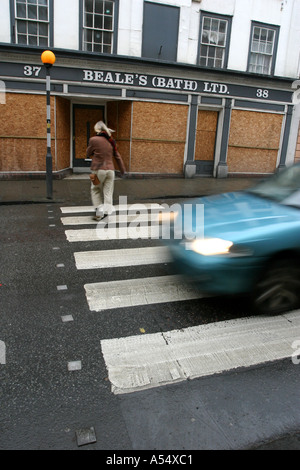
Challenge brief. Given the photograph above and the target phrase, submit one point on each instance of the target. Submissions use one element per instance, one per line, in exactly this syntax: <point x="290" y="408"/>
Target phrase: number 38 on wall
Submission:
<point x="260" y="93"/>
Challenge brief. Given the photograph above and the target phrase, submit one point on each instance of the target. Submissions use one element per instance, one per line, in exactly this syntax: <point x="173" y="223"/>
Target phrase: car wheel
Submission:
<point x="278" y="290"/>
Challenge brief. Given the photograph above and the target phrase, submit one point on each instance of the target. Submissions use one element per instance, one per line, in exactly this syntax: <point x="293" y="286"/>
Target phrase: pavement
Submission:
<point x="75" y="189"/>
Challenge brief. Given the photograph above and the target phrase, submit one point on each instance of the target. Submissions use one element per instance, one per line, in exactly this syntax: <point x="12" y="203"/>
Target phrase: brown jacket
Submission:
<point x="102" y="153"/>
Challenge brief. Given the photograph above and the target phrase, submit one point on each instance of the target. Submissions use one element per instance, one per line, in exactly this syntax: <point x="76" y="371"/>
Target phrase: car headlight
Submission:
<point x="217" y="246"/>
<point x="209" y="246"/>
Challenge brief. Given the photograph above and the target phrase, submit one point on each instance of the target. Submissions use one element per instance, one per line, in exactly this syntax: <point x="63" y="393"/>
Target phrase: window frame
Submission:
<point x="227" y="18"/>
<point x="276" y="29"/>
<point x="114" y="32"/>
<point x="13" y="20"/>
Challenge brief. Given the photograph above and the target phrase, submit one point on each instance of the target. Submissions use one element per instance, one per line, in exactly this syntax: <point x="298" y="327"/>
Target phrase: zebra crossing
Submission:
<point x="116" y="294"/>
<point x="129" y="257"/>
<point x="151" y="360"/>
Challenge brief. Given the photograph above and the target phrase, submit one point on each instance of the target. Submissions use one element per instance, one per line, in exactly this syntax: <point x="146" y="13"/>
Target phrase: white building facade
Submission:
<point x="202" y="87"/>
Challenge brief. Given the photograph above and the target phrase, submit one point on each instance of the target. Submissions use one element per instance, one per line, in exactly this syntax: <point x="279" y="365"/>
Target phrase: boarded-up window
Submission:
<point x="253" y="142"/>
<point x="160" y="31"/>
<point x="158" y="137"/>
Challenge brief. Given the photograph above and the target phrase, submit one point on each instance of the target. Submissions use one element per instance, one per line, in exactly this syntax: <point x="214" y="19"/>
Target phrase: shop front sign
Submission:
<point x="139" y="80"/>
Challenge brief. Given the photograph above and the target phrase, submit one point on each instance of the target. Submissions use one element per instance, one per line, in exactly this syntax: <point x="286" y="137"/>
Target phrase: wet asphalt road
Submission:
<point x="44" y="405"/>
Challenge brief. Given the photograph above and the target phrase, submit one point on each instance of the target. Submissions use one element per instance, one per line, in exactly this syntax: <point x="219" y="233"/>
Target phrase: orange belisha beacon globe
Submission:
<point x="48" y="58"/>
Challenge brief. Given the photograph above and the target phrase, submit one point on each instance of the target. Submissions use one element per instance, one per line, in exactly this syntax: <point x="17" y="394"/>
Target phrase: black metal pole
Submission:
<point x="49" y="155"/>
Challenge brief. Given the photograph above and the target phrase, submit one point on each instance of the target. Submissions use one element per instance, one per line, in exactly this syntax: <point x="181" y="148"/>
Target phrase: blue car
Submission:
<point x="245" y="242"/>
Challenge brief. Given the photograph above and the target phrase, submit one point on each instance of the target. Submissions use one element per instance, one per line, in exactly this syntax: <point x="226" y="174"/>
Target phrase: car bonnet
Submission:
<point x="237" y="215"/>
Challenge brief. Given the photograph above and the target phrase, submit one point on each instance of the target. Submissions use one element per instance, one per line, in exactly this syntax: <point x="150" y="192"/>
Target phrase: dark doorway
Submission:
<point x="84" y="119"/>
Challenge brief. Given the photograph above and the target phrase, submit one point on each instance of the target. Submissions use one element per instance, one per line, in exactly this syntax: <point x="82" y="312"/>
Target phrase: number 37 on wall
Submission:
<point x="30" y="70"/>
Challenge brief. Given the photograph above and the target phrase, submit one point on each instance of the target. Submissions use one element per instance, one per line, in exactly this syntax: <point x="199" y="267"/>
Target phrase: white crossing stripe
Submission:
<point x="77" y="209"/>
<point x="113" y="233"/>
<point x="141" y="291"/>
<point x="123" y="218"/>
<point x="147" y="361"/>
<point x="125" y="257"/>
<point x="118" y="208"/>
<point x="2" y="352"/>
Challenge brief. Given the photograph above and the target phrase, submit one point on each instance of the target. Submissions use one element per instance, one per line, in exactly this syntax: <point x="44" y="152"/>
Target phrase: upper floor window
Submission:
<point x="263" y="47"/>
<point x="98" y="25"/>
<point x="214" y="40"/>
<point x="160" y="31"/>
<point x="32" y="22"/>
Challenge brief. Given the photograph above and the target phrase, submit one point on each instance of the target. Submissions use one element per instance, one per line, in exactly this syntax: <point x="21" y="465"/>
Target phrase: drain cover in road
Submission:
<point x="85" y="436"/>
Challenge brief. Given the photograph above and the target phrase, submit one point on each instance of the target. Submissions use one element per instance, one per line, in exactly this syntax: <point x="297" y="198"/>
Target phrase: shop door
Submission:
<point x="206" y="142"/>
<point x="84" y="119"/>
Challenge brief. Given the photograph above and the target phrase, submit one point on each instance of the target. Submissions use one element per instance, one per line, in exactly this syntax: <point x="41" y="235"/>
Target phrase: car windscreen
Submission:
<point x="283" y="187"/>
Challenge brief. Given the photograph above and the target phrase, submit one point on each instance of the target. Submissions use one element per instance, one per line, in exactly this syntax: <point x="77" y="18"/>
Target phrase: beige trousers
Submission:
<point x="102" y="194"/>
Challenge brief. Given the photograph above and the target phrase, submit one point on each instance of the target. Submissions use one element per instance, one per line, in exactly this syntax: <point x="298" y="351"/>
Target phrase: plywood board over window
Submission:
<point x="62" y="133"/>
<point x="253" y="142"/>
<point x="297" y="153"/>
<point x="23" y="134"/>
<point x="206" y="135"/>
<point x="158" y="137"/>
<point x="119" y="119"/>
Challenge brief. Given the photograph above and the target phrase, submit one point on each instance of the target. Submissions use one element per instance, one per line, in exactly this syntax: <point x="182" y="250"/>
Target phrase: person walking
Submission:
<point x="103" y="149"/>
